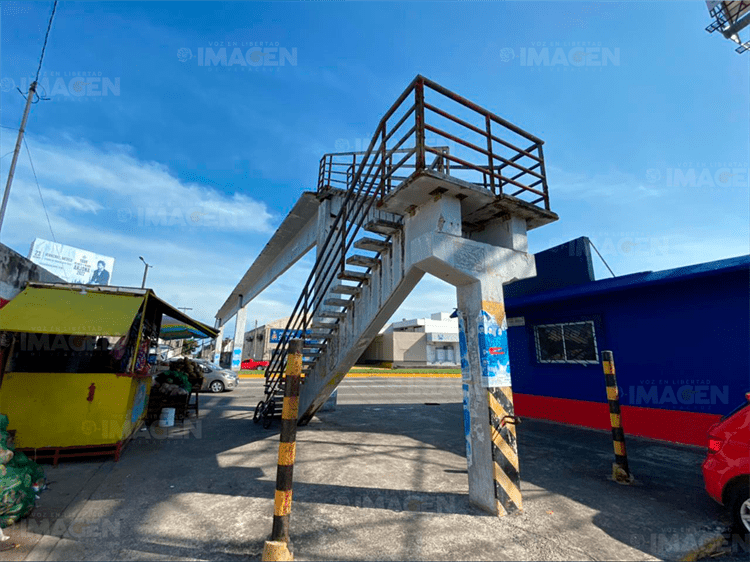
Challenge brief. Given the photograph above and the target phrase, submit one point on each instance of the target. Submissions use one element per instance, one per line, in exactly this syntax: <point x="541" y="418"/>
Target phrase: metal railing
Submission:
<point x="467" y="142"/>
<point x="399" y="150"/>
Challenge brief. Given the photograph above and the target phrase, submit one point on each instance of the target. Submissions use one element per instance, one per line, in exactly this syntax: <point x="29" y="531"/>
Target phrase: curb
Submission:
<point x="383" y="375"/>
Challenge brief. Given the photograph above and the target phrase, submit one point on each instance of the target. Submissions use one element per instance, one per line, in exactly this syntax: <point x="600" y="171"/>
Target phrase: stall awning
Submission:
<point x="173" y="329"/>
<point x="70" y="311"/>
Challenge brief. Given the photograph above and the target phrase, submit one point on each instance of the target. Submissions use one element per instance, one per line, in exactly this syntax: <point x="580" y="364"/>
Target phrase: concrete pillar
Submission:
<point x="217" y="349"/>
<point x="239" y="339"/>
<point x="491" y="450"/>
<point x="327" y="212"/>
<point x="478" y="267"/>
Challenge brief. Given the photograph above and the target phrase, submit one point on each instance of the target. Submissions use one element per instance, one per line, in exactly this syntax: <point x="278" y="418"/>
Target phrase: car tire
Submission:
<point x="739" y="508"/>
<point x="216" y="387"/>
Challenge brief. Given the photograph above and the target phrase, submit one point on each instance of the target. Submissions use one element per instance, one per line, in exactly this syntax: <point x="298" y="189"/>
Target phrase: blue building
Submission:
<point x="680" y="338"/>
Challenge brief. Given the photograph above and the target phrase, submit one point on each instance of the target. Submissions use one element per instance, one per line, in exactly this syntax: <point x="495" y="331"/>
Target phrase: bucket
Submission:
<point x="167" y="417"/>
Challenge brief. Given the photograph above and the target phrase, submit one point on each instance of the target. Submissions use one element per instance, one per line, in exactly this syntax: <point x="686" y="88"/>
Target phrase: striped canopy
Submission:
<point x="172" y="329"/>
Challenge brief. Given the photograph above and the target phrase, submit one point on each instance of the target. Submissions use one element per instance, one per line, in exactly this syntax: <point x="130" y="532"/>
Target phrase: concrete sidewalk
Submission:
<point x="374" y="481"/>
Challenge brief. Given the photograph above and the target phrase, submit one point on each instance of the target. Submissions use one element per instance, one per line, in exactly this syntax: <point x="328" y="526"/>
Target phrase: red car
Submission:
<point x="252" y="365"/>
<point x="726" y="470"/>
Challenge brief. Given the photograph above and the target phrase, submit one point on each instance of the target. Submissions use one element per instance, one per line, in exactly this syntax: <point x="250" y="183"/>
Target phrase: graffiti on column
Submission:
<point x="466" y="377"/>
<point x="236" y="357"/>
<point x="493" y="348"/>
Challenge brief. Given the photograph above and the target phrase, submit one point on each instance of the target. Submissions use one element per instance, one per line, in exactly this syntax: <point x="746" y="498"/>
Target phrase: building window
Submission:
<point x="573" y="342"/>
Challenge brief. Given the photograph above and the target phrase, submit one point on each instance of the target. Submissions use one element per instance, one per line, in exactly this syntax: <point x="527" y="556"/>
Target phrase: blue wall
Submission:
<point x="561" y="266"/>
<point x="693" y="332"/>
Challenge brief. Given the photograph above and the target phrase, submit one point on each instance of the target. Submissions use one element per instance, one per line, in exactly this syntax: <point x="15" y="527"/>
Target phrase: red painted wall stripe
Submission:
<point x="677" y="426"/>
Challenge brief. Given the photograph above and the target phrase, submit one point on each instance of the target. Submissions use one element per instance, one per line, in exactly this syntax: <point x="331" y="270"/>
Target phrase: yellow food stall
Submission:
<point x="75" y="379"/>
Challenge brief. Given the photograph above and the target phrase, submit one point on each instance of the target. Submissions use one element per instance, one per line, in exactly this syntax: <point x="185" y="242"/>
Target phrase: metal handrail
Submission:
<point x="370" y="175"/>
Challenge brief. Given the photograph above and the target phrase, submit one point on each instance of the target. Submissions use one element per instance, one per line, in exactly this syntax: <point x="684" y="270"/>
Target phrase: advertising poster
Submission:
<point x="72" y="264"/>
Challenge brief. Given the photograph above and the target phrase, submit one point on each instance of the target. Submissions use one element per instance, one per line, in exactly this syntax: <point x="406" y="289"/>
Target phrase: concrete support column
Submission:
<point x="491" y="450"/>
<point x="478" y="267"/>
<point x="327" y="212"/>
<point x="239" y="338"/>
<point x="217" y="349"/>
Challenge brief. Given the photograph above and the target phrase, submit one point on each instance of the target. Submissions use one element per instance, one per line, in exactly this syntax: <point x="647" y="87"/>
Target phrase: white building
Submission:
<point x="420" y="342"/>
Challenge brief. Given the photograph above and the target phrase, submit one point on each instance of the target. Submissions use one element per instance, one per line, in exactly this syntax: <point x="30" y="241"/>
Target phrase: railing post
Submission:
<point x="382" y="164"/>
<point x="490" y="157"/>
<point x="419" y="123"/>
<point x="543" y="172"/>
<point x="390" y="172"/>
<point x="344" y="212"/>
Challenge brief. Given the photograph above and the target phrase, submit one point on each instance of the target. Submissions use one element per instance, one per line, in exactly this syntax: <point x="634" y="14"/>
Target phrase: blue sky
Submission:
<point x="647" y="155"/>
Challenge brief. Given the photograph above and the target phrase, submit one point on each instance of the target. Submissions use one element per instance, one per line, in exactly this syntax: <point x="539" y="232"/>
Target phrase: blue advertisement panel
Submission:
<point x="493" y="351"/>
<point x="277" y="335"/>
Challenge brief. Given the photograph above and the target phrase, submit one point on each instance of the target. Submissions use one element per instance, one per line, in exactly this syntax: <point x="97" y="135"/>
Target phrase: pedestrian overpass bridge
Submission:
<point x="445" y="187"/>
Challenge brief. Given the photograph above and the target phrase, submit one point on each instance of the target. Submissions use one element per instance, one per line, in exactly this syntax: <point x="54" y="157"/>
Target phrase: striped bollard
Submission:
<point x="278" y="547"/>
<point x="620" y="468"/>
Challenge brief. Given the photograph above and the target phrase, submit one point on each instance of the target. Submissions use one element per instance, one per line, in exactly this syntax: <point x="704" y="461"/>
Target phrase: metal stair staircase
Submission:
<point x="360" y="275"/>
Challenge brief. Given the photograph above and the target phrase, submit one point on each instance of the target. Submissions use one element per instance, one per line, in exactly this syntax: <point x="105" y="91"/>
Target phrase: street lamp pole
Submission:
<point x="145" y="272"/>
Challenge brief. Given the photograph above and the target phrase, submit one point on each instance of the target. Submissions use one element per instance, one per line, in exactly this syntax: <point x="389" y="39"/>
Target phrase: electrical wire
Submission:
<point x="40" y="191"/>
<point x="46" y="36"/>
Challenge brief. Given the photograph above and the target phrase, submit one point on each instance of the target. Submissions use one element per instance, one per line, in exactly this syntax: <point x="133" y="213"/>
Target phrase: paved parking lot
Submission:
<point x="382" y="477"/>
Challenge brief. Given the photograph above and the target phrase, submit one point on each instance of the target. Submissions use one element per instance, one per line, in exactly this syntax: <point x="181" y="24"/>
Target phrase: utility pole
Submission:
<point x="29" y="96"/>
<point x="145" y="272"/>
<point x="255" y="341"/>
<point x="19" y="140"/>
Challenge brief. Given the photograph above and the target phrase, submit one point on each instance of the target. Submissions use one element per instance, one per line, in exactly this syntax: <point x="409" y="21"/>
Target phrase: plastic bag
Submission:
<point x="20" y="480"/>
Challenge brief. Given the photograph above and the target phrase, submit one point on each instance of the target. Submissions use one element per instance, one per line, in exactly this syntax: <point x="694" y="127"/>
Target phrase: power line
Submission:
<point x="46" y="36"/>
<point x="40" y="191"/>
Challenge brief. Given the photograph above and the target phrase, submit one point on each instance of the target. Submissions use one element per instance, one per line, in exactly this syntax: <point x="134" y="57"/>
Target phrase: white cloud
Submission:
<point x="84" y="187"/>
<point x="59" y="201"/>
<point x="119" y="181"/>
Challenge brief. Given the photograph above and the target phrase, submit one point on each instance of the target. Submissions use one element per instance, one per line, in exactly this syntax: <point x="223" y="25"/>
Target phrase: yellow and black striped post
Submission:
<point x="620" y="468"/>
<point x="504" y="450"/>
<point x="278" y="547"/>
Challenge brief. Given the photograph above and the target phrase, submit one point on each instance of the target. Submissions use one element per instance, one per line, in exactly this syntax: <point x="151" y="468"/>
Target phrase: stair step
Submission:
<point x="372" y="244"/>
<point x="346" y="290"/>
<point x="338" y="302"/>
<point x="329" y="314"/>
<point x="384" y="227"/>
<point x="363" y="261"/>
<point x="309" y="344"/>
<point x="311" y="350"/>
<point x="325" y="325"/>
<point x="320" y="334"/>
<point x="349" y="275"/>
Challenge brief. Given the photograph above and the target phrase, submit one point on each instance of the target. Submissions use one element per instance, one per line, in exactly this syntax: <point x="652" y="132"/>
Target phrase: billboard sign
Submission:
<point x="277" y="335"/>
<point x="70" y="264"/>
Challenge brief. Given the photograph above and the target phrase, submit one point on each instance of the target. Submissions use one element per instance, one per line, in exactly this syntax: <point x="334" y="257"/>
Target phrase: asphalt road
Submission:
<point x="381" y="477"/>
